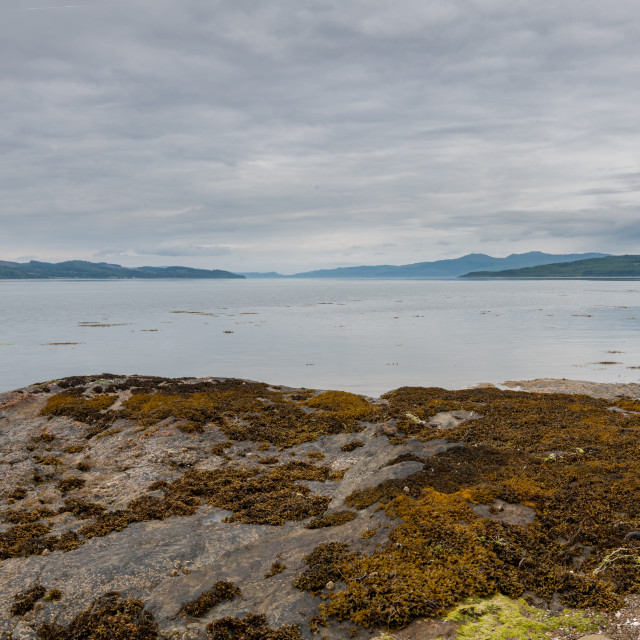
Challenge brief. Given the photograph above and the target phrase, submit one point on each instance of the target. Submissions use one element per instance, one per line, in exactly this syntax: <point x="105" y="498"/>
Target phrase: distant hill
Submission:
<point x="260" y="274"/>
<point x="445" y="269"/>
<point x="101" y="270"/>
<point x="608" y="267"/>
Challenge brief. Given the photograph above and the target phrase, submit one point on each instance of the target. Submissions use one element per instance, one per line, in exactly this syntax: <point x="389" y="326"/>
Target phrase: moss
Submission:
<point x="69" y="484"/>
<point x="24" y="600"/>
<point x="501" y="618"/>
<point x="109" y="616"/>
<point x="334" y="519"/>
<point x="324" y="564"/>
<point x="277" y="567"/>
<point x="352" y="446"/>
<point x="220" y="592"/>
<point x="251" y="627"/>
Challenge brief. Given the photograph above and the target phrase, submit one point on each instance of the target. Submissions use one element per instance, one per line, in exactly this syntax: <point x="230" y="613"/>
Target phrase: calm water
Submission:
<point x="363" y="336"/>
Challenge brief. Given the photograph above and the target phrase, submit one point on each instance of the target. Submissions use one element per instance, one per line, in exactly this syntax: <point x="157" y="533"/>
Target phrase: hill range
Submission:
<point x="438" y="269"/>
<point x="101" y="270"/>
<point x="627" y="266"/>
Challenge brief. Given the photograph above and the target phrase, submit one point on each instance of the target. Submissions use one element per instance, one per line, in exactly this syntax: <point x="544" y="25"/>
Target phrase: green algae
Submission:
<point x="502" y="618"/>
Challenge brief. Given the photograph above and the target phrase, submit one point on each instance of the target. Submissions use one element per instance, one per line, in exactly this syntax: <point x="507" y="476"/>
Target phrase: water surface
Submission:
<point x="366" y="336"/>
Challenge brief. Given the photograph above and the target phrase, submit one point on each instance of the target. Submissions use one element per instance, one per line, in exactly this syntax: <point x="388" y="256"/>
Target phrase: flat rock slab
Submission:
<point x="609" y="391"/>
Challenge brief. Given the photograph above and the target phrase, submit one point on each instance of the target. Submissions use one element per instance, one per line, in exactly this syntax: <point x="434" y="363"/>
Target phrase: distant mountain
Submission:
<point x="607" y="267"/>
<point x="259" y="274"/>
<point x="100" y="270"/>
<point x="445" y="269"/>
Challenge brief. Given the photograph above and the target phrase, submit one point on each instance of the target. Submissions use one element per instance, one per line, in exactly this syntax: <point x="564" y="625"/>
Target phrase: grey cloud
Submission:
<point x="292" y="132"/>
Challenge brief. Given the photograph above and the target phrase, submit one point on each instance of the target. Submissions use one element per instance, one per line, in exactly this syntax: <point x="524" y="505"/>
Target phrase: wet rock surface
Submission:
<point x="160" y="489"/>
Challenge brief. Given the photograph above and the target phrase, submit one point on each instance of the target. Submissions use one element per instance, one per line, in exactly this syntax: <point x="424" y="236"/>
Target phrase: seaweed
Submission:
<point x="45" y="437"/>
<point x="333" y="519"/>
<point x="277" y="567"/>
<point x="109" y="617"/>
<point x="19" y="493"/>
<point x="22" y="540"/>
<point x="352" y="446"/>
<point x="80" y="408"/>
<point x="251" y="627"/>
<point x="26" y="517"/>
<point x="24" y="600"/>
<point x="221" y="591"/>
<point x="53" y="595"/>
<point x="81" y="508"/>
<point x="324" y="564"/>
<point x="69" y="484"/>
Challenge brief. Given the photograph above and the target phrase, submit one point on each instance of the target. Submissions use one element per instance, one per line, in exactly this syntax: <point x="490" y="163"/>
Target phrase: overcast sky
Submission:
<point x="297" y="134"/>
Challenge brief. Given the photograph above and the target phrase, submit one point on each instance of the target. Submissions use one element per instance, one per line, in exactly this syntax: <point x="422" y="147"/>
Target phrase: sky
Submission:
<point x="292" y="135"/>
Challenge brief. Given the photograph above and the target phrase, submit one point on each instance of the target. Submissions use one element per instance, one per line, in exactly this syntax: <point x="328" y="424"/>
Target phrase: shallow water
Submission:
<point x="366" y="336"/>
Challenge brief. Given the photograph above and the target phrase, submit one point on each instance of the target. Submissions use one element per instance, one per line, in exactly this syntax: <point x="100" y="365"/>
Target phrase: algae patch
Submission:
<point x="501" y="618"/>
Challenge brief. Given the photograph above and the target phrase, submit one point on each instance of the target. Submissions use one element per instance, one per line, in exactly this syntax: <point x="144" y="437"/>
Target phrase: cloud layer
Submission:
<point x="285" y="135"/>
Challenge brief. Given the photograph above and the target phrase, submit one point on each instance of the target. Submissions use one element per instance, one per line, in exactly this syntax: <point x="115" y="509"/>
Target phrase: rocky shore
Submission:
<point x="221" y="508"/>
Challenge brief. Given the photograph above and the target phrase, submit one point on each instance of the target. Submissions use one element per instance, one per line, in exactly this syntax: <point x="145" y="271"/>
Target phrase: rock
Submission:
<point x="329" y="586"/>
<point x="451" y="419"/>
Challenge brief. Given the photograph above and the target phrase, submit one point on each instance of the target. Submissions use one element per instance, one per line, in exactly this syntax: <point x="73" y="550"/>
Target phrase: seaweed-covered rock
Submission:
<point x="141" y="499"/>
